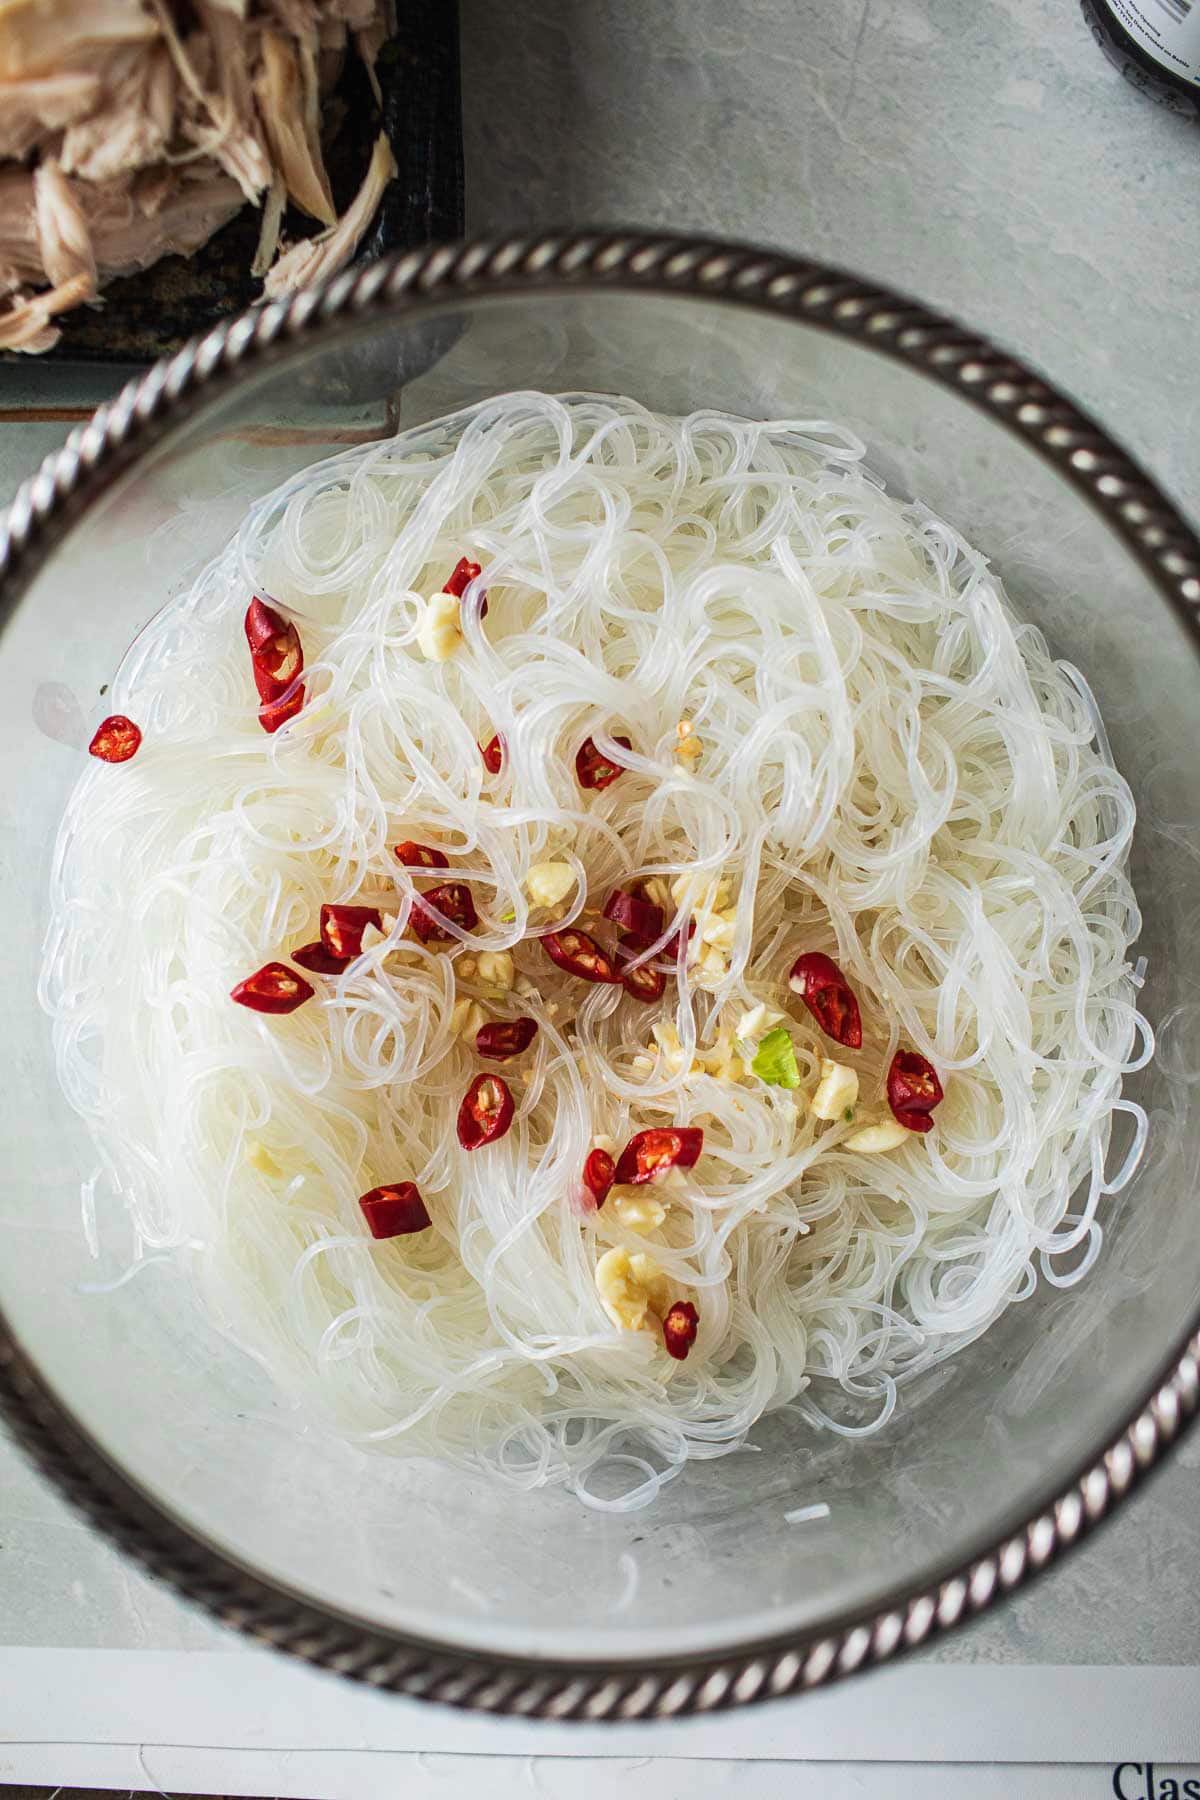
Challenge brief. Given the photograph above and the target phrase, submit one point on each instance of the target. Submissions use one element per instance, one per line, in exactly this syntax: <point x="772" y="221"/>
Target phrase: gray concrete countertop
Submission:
<point x="983" y="158"/>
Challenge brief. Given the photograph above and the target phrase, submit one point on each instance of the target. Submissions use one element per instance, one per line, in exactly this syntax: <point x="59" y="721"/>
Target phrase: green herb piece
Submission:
<point x="848" y="1115"/>
<point x="775" y="1060"/>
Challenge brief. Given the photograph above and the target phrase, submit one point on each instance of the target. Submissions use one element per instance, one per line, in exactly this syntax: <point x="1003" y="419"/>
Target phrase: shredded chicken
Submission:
<point x="63" y="236"/>
<point x="134" y="129"/>
<point x="129" y="235"/>
<point x="46" y="37"/>
<point x="315" y="259"/>
<point x="132" y="126"/>
<point x="26" y="324"/>
<point x="279" y="89"/>
<point x="35" y="108"/>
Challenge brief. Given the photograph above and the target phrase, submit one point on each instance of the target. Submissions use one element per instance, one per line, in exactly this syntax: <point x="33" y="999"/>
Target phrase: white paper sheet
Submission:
<point x="255" y="1700"/>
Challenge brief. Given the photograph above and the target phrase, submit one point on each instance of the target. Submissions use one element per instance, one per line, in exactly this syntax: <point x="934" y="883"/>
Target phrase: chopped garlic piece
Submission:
<point x="657" y="892"/>
<point x="635" y="1210"/>
<point x="371" y="936"/>
<point x="887" y="1135"/>
<point x="603" y="1142"/>
<point x="527" y="989"/>
<point x="630" y="1287"/>
<point x="465" y="967"/>
<point x="717" y="928"/>
<point x="838" y="1090"/>
<point x="713" y="966"/>
<point x="549" y="882"/>
<point x="496" y="968"/>
<point x="702" y="888"/>
<point x="688" y="745"/>
<point x="757" y="1020"/>
<point x="440" y="631"/>
<point x="466" y="1019"/>
<point x="667" y="1039"/>
<point x="260" y="1158"/>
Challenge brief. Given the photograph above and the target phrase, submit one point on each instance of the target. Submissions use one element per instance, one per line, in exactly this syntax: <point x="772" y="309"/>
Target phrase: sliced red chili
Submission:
<point x="679" y="1329"/>
<point x="493" y="754"/>
<point x="634" y="917"/>
<point x="274" y="713"/>
<point x="465" y="572"/>
<point x="395" y="1211"/>
<point x="580" y="955"/>
<point x="828" y="996"/>
<point x="342" y="927"/>
<point x="594" y="770"/>
<point x="453" y="899"/>
<point x="275" y="650"/>
<point x="272" y="989"/>
<point x="599" y="1173"/>
<point x="420" y="856"/>
<point x="319" y="960"/>
<point x="486" y="1112"/>
<point x="653" y="1152"/>
<point x="504" y="1038"/>
<point x="644" y="983"/>
<point x="913" y="1090"/>
<point x="116" y="739"/>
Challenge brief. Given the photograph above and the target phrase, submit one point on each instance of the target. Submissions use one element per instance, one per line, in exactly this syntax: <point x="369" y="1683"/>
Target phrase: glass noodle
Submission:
<point x="893" y="769"/>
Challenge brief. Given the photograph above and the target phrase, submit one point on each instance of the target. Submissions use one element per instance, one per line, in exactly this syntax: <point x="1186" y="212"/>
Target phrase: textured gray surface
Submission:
<point x="983" y="157"/>
<point x="987" y="160"/>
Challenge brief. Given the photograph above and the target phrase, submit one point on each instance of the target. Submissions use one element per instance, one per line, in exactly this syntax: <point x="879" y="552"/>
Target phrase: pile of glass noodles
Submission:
<point x="707" y="664"/>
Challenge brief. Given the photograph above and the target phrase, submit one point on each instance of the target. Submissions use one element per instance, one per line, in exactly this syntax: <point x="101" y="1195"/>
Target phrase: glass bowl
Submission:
<point x="417" y="1579"/>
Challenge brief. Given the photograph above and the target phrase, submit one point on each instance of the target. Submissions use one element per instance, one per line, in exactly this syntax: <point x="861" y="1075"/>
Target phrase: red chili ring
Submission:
<point x="652" y="1153"/>
<point x="828" y="996"/>
<point x="599" y="1174"/>
<point x="634" y="917"/>
<point x="395" y="1211"/>
<point x="594" y="770"/>
<point x="486" y="1112"/>
<point x="913" y="1090"/>
<point x="342" y="928"/>
<point x="455" y="900"/>
<point x="505" y="1037"/>
<point x="463" y="574"/>
<point x="679" y="1329"/>
<point x="645" y="983"/>
<point x="116" y="739"/>
<point x="272" y="989"/>
<point x="579" y="955"/>
<point x="320" y="960"/>
<point x="420" y="856"/>
<point x="276" y="654"/>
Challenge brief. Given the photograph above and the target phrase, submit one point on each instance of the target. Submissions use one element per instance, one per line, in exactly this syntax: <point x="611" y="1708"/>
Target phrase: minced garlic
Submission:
<point x="466" y="1019"/>
<point x="636" y="1210"/>
<point x="440" y="631"/>
<point x="872" y="1139"/>
<point x="756" y="1021"/>
<point x="838" y="1090"/>
<point x="496" y="968"/>
<point x="549" y="882"/>
<point x="630" y="1287"/>
<point x="260" y="1158"/>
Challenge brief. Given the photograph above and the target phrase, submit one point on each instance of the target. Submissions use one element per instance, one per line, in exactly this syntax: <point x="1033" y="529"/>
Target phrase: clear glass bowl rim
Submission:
<point x="1110" y="482"/>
